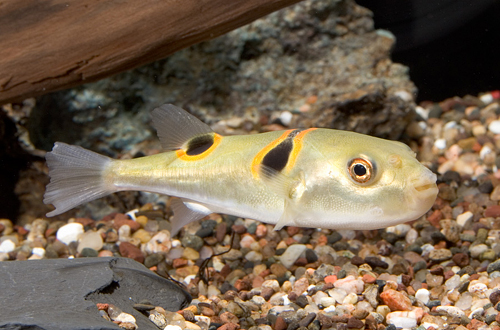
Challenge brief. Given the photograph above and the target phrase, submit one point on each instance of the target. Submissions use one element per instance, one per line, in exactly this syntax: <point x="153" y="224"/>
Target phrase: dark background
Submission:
<point x="451" y="46"/>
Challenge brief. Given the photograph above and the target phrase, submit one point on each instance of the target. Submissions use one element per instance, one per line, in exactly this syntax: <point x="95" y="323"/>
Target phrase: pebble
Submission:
<point x="7" y="246"/>
<point x="90" y="239"/>
<point x="291" y="254"/>
<point x="422" y="295"/>
<point x="494" y="127"/>
<point x="70" y="232"/>
<point x="129" y="250"/>
<point x="396" y="300"/>
<point x="159" y="243"/>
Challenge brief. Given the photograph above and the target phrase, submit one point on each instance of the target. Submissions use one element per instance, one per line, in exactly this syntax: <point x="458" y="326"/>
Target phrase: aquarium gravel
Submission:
<point x="441" y="271"/>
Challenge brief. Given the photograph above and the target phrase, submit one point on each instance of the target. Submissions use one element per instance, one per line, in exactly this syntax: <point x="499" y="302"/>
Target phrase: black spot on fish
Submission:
<point x="277" y="158"/>
<point x="199" y="144"/>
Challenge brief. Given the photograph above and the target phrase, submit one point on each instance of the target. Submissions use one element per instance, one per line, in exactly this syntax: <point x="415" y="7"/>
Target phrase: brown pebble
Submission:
<point x="435" y="217"/>
<point x="492" y="211"/>
<point x="188" y="315"/>
<point x="102" y="307"/>
<point x="278" y="269"/>
<point x="243" y="284"/>
<point x="207" y="311"/>
<point x="371" y="322"/>
<point x="229" y="326"/>
<point x="179" y="262"/>
<point x="266" y="293"/>
<point x="475" y="324"/>
<point x="280" y="323"/>
<point x="495" y="297"/>
<point x="354" y="323"/>
<point x="339" y="318"/>
<point x="220" y="231"/>
<point x="122" y="219"/>
<point x="131" y="251"/>
<point x="369" y="279"/>
<point x="396" y="301"/>
<point x="301" y="262"/>
<point x="460" y="259"/>
<point x="239" y="229"/>
<point x="228" y="317"/>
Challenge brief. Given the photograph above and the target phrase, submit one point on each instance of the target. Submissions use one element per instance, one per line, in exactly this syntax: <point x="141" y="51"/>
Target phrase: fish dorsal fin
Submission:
<point x="176" y="126"/>
<point x="185" y="212"/>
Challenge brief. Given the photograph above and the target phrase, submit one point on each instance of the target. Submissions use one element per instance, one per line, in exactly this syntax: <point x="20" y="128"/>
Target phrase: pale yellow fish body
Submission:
<point x="305" y="178"/>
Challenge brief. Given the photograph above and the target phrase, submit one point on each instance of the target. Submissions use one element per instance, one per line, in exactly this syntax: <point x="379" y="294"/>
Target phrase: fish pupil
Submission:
<point x="359" y="170"/>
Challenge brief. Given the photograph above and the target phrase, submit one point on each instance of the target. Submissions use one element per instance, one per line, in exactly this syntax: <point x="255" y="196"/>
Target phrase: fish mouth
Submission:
<point x="425" y="189"/>
<point x="425" y="186"/>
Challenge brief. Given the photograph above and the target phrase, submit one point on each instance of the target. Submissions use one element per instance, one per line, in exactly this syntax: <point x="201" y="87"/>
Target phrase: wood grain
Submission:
<point x="55" y="44"/>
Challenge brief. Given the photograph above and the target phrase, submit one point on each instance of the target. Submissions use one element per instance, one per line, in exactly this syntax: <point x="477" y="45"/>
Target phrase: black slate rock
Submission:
<point x="59" y="294"/>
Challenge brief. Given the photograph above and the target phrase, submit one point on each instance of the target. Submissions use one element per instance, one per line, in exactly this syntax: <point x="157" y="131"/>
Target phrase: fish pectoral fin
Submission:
<point x="185" y="212"/>
<point x="290" y="189"/>
<point x="287" y="217"/>
<point x="175" y="126"/>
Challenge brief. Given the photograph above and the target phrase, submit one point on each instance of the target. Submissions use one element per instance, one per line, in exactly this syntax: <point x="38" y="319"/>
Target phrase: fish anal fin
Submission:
<point x="185" y="212"/>
<point x="175" y="126"/>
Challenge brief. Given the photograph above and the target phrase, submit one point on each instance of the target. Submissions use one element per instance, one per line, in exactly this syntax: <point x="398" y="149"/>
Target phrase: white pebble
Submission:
<point x="485" y="150"/>
<point x="453" y="282"/>
<point x="338" y="294"/>
<point x="70" y="232"/>
<point x="7" y="246"/>
<point x="90" y="239"/>
<point x="329" y="309"/>
<point x="212" y="291"/>
<point x="399" y="230"/>
<point x="202" y="318"/>
<point x="422" y="112"/>
<point x="286" y="118"/>
<point x="258" y="300"/>
<point x="463" y="218"/>
<point x="451" y="310"/>
<point x="254" y="256"/>
<point x="125" y="317"/>
<point x="172" y="327"/>
<point x="327" y="301"/>
<point x="350" y="284"/>
<point x="440" y="144"/>
<point x="422" y="295"/>
<point x="494" y="127"/>
<point x="478" y="288"/>
<point x="476" y="312"/>
<point x="404" y="95"/>
<point x="402" y="320"/>
<point x="124" y="233"/>
<point x="291" y="254"/>
<point x="273" y="284"/>
<point x="486" y="98"/>
<point x="38" y="251"/>
<point x="189" y="278"/>
<point x="351" y="298"/>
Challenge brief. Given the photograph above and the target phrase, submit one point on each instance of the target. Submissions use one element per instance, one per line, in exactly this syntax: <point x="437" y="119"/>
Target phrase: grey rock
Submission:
<point x="62" y="293"/>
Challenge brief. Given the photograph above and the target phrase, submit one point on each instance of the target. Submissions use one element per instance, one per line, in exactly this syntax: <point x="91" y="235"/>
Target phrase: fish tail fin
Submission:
<point x="76" y="177"/>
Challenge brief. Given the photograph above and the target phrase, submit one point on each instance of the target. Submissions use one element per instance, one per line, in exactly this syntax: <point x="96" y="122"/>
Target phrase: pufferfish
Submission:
<point x="320" y="178"/>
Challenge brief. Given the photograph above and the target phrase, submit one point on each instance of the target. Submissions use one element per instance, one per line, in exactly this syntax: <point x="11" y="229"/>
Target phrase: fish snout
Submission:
<point x="424" y="186"/>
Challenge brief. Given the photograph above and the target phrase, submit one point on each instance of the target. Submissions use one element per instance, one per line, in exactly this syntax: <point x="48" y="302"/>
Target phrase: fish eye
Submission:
<point x="361" y="170"/>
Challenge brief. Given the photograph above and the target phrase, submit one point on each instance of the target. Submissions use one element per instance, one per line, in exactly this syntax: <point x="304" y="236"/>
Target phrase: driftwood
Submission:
<point x="51" y="45"/>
